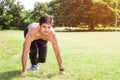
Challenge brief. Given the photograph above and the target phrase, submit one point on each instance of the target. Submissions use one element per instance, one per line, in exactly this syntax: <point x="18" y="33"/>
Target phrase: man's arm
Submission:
<point x="58" y="54"/>
<point x="26" y="47"/>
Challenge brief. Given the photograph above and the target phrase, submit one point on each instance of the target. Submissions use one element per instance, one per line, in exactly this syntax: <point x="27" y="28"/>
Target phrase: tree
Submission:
<point x="3" y="16"/>
<point x="16" y="11"/>
<point x="10" y="16"/>
<point x="90" y="12"/>
<point x="70" y="12"/>
<point x="54" y="7"/>
<point x="99" y="13"/>
<point x="39" y="9"/>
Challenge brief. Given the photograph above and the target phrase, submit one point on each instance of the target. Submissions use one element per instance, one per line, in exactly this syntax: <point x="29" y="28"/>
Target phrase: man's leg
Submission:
<point x="42" y="51"/>
<point x="33" y="53"/>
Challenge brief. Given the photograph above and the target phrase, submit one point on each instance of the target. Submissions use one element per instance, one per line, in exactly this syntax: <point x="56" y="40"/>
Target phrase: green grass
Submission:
<point x="86" y="56"/>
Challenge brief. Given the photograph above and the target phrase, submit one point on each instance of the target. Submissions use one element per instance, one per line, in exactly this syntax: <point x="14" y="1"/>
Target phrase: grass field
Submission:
<point x="86" y="56"/>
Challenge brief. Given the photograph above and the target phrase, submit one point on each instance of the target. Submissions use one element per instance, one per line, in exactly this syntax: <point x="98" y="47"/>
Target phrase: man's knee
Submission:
<point x="42" y="60"/>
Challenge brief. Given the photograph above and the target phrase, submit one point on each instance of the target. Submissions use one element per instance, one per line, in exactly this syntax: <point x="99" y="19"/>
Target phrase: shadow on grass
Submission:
<point x="50" y="75"/>
<point x="10" y="75"/>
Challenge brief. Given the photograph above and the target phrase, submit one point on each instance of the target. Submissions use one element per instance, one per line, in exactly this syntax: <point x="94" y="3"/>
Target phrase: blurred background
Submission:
<point x="69" y="15"/>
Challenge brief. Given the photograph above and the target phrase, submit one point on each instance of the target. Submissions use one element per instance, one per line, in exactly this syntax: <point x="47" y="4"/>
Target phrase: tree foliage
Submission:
<point x="90" y="12"/>
<point x="70" y="13"/>
<point x="10" y="14"/>
<point x="39" y="9"/>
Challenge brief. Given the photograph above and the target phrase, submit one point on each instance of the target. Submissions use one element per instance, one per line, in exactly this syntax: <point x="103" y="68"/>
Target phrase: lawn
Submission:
<point x="86" y="56"/>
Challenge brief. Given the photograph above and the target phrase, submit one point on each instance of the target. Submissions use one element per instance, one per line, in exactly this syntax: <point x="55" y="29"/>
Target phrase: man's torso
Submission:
<point x="34" y="32"/>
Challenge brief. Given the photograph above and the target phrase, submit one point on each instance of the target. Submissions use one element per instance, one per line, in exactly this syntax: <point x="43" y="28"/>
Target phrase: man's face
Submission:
<point x="45" y="28"/>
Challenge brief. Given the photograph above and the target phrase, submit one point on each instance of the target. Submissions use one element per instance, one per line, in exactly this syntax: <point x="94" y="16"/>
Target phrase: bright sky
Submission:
<point x="29" y="4"/>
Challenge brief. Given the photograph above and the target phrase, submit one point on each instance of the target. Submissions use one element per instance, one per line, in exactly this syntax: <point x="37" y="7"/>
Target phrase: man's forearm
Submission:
<point x="24" y="56"/>
<point x="58" y="56"/>
<point x="24" y="62"/>
<point x="59" y="59"/>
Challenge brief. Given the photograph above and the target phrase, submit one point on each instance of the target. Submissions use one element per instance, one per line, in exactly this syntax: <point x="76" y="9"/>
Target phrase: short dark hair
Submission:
<point x="45" y="18"/>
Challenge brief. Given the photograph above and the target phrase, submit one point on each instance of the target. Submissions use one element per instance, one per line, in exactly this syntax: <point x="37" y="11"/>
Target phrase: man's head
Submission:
<point x="45" y="18"/>
<point x="46" y="23"/>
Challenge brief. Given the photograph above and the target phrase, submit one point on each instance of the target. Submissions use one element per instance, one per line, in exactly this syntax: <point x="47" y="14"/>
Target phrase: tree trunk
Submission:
<point x="91" y="27"/>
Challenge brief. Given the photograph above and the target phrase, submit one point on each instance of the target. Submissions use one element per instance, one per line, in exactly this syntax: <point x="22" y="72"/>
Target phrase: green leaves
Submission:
<point x="70" y="13"/>
<point x="90" y="12"/>
<point x="10" y="14"/>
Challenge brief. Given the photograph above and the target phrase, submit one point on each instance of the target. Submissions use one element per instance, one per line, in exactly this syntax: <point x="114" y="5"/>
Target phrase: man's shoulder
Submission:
<point x="33" y="25"/>
<point x="52" y="32"/>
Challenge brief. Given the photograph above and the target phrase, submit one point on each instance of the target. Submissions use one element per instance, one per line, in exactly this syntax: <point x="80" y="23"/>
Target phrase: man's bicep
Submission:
<point x="28" y="39"/>
<point x="54" y="40"/>
<point x="29" y="36"/>
<point x="27" y="43"/>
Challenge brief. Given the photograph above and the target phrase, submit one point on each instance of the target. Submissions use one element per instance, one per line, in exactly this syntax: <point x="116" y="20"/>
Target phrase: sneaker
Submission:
<point x="37" y="66"/>
<point x="34" y="67"/>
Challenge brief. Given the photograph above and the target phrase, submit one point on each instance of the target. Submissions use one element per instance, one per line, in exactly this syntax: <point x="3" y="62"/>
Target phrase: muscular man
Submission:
<point x="36" y="37"/>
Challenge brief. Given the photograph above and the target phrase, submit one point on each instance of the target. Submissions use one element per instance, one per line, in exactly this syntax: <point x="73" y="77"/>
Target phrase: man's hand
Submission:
<point x="62" y="72"/>
<point x="23" y="73"/>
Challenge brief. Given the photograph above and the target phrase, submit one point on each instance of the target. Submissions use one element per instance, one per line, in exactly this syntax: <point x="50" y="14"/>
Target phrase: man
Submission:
<point x="36" y="37"/>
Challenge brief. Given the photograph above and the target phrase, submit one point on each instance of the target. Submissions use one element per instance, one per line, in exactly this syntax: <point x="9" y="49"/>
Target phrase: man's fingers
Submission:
<point x="23" y="73"/>
<point x="62" y="72"/>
